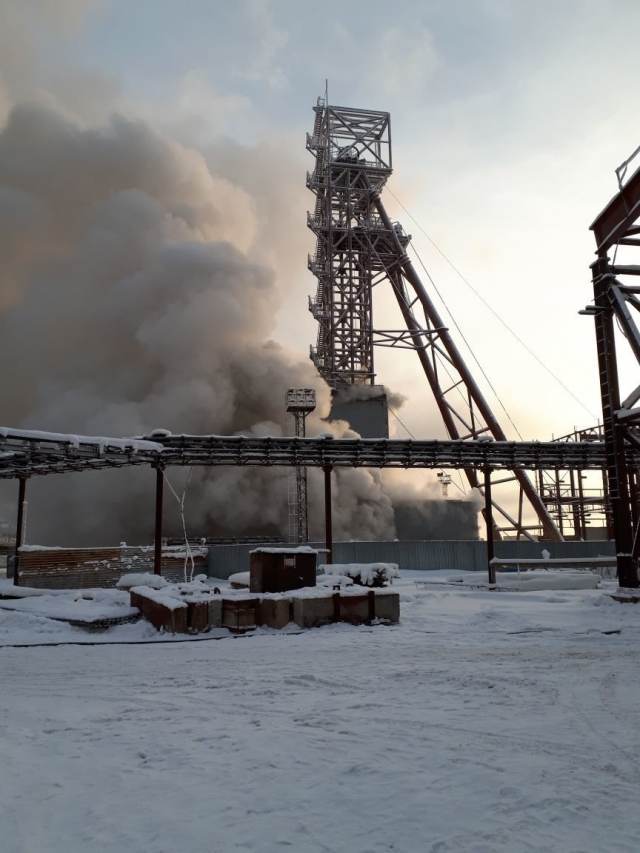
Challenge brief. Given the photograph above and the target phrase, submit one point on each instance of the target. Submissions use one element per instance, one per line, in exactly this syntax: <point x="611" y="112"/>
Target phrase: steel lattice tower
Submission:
<point x="352" y="148"/>
<point x="359" y="247"/>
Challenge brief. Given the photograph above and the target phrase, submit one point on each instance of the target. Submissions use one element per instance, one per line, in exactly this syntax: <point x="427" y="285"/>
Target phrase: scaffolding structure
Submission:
<point x="357" y="248"/>
<point x="578" y="500"/>
<point x="300" y="403"/>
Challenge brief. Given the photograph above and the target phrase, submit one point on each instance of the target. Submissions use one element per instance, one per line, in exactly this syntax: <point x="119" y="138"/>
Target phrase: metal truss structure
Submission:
<point x="616" y="302"/>
<point x="352" y="148"/>
<point x="578" y="501"/>
<point x="300" y="403"/>
<point x="359" y="247"/>
<point x="24" y="455"/>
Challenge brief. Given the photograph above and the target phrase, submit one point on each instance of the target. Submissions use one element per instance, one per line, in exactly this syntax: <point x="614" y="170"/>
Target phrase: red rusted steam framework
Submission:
<point x="617" y="228"/>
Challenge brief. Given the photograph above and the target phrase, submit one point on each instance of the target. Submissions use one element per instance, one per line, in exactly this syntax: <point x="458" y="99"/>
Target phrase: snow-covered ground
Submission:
<point x="484" y="722"/>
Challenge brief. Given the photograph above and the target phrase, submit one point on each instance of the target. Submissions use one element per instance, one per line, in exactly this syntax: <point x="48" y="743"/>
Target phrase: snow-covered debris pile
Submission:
<point x="87" y="607"/>
<point x="541" y="580"/>
<point x="9" y="590"/>
<point x="334" y="580"/>
<point x="165" y="597"/>
<point x="141" y="579"/>
<point x="365" y="574"/>
<point x="196" y="590"/>
<point x="528" y="581"/>
<point x="197" y="606"/>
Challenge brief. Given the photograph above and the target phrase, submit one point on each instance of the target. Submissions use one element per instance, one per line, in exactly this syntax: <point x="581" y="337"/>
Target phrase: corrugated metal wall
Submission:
<point x="225" y="560"/>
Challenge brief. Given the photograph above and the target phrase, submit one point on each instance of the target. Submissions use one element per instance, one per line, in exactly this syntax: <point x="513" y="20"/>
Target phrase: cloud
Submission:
<point x="406" y="60"/>
<point x="264" y="64"/>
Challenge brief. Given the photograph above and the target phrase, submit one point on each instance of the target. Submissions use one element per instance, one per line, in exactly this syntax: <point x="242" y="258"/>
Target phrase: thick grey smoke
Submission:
<point x="352" y="393"/>
<point x="129" y="301"/>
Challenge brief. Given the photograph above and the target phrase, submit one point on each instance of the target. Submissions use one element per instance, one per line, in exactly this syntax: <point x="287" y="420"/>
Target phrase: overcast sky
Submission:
<point x="508" y="121"/>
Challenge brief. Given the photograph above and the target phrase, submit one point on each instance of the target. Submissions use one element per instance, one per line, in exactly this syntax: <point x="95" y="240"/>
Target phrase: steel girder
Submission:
<point x="616" y="228"/>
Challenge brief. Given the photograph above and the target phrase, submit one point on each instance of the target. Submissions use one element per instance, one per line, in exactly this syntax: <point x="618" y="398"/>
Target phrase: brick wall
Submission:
<point x="80" y="568"/>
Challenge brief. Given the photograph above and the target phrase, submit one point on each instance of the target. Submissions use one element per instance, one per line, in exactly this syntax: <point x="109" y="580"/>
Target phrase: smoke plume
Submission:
<point x="132" y="297"/>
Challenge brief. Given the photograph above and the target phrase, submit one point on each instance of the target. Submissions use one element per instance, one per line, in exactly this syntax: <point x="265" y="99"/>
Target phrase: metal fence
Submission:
<point x="453" y="555"/>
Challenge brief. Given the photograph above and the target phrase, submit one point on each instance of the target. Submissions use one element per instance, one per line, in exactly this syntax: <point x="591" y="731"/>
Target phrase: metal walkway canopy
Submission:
<point x="29" y="453"/>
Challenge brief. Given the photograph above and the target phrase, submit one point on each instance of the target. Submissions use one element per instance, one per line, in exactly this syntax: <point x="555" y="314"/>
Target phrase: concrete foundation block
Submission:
<point x="312" y="612"/>
<point x="215" y="612"/>
<point x="273" y="612"/>
<point x="198" y="616"/>
<point x="387" y="607"/>
<point x="160" y="615"/>
<point x="354" y="609"/>
<point x="136" y="600"/>
<point x="239" y="614"/>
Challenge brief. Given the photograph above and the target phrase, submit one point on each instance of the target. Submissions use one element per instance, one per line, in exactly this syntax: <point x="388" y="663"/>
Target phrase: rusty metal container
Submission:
<point x="281" y="569"/>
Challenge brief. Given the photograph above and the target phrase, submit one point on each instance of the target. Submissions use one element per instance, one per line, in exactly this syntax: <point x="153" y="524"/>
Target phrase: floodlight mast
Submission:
<point x="359" y="247"/>
<point x="300" y="403"/>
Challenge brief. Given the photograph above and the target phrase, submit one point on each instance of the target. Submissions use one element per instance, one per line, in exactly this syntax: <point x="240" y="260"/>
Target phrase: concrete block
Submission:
<point x="239" y="614"/>
<point x="387" y="607"/>
<point x="273" y="612"/>
<point x="174" y="619"/>
<point x="312" y="612"/>
<point x="215" y="612"/>
<point x="354" y="609"/>
<point x="136" y="600"/>
<point x="198" y="616"/>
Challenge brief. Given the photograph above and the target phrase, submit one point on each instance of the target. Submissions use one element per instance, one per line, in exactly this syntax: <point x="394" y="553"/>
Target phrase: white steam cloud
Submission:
<point x="129" y="300"/>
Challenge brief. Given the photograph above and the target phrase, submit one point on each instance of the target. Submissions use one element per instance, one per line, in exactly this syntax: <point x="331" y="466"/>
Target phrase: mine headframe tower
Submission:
<point x="357" y="248"/>
<point x="617" y="301"/>
<point x="352" y="148"/>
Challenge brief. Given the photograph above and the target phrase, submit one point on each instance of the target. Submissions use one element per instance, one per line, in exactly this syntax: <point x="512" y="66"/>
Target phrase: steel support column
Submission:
<point x="454" y="357"/>
<point x="22" y="491"/>
<point x="488" y="517"/>
<point x="617" y="471"/>
<point x="328" y="521"/>
<point x="157" y="552"/>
